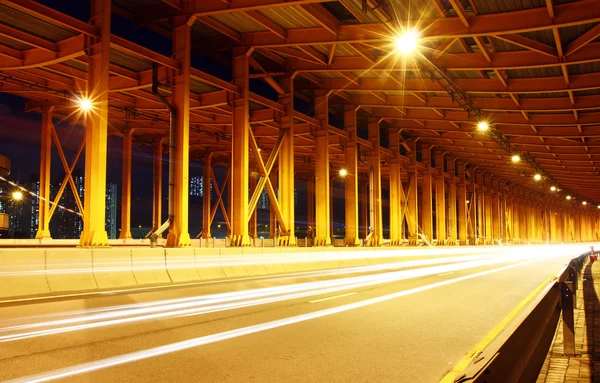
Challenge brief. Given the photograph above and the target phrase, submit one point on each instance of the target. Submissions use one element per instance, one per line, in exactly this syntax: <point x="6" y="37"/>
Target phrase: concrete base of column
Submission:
<point x="451" y="242"/>
<point x="440" y="242"/>
<point x="125" y="235"/>
<point x="323" y="241"/>
<point x="413" y="241"/>
<point x="43" y="234"/>
<point x="352" y="242"/>
<point x="395" y="242"/>
<point x="94" y="239"/>
<point x="286" y="241"/>
<point x="178" y="240"/>
<point x="240" y="240"/>
<point x="463" y="243"/>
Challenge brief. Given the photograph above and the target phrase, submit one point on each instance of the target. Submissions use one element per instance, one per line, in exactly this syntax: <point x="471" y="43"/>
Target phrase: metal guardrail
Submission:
<point x="518" y="353"/>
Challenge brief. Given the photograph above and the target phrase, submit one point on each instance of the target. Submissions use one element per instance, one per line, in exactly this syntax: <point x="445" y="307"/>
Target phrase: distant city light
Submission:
<point x="483" y="126"/>
<point x="407" y="42"/>
<point x="516" y="158"/>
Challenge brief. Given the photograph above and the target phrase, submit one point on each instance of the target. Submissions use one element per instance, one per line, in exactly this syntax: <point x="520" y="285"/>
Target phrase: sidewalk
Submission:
<point x="585" y="365"/>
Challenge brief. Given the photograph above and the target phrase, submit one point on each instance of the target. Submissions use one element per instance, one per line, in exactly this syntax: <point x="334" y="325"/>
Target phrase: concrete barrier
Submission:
<point x="208" y="264"/>
<point x="255" y="269"/>
<point x="23" y="273"/>
<point x="149" y="266"/>
<point x="113" y="268"/>
<point x="181" y="265"/>
<point x="70" y="270"/>
<point x="230" y="262"/>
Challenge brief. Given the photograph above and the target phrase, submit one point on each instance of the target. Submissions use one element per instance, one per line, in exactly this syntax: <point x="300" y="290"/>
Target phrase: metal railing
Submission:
<point x="518" y="353"/>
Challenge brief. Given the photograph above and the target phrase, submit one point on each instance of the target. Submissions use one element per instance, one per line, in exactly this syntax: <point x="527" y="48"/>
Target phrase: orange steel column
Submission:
<point x="488" y="234"/>
<point x="323" y="235"/>
<point x="452" y="234"/>
<point x="272" y="215"/>
<point x="396" y="192"/>
<point x="126" y="186"/>
<point x="240" y="149"/>
<point x="462" y="204"/>
<point x="412" y="212"/>
<point x="509" y="216"/>
<point x="351" y="179"/>
<point x="310" y="203"/>
<point x="286" y="163"/>
<point x="481" y="192"/>
<point x="472" y="213"/>
<point x="178" y="230"/>
<point x="495" y="207"/>
<point x="440" y="200"/>
<point x="253" y="231"/>
<point x="516" y="211"/>
<point x="375" y="200"/>
<point x="364" y="210"/>
<point x="94" y="213"/>
<point x="157" y="188"/>
<point x="427" y="194"/>
<point x="43" y="230"/>
<point x="206" y="209"/>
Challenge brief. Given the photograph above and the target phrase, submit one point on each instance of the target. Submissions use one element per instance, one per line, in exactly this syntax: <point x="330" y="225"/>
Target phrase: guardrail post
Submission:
<point x="566" y="299"/>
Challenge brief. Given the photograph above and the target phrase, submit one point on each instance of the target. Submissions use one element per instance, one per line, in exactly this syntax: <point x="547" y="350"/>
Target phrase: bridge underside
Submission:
<point x="343" y="100"/>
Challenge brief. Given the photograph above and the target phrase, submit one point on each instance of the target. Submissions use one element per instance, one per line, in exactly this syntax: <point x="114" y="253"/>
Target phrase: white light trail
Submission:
<point x="204" y="340"/>
<point x="235" y="300"/>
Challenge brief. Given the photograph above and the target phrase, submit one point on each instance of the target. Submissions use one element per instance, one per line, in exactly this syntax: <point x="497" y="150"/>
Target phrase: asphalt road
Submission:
<point x="407" y="325"/>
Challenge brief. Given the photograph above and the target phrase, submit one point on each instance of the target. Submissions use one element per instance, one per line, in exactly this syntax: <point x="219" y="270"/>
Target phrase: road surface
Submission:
<point x="407" y="324"/>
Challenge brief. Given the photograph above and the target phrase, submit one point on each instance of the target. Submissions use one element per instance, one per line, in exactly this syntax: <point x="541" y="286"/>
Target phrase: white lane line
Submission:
<point x="333" y="297"/>
<point x="448" y="273"/>
<point x="208" y="339"/>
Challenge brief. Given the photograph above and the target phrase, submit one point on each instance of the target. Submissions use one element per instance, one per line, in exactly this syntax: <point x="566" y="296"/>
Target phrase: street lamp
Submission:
<point x="483" y="126"/>
<point x="17" y="195"/>
<point x="516" y="158"/>
<point x="85" y="104"/>
<point x="569" y="197"/>
<point x="584" y="203"/>
<point x="537" y="176"/>
<point x="407" y="42"/>
<point x="552" y="188"/>
<point x="343" y="172"/>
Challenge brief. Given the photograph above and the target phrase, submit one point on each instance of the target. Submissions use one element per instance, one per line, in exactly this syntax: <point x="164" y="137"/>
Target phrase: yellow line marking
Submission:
<point x="448" y="273"/>
<point x="466" y="360"/>
<point x="333" y="297"/>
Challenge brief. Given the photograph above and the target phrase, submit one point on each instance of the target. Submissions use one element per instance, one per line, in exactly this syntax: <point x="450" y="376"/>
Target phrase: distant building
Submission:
<point x="111" y="210"/>
<point x="35" y="205"/>
<point x="263" y="201"/>
<point x="197" y="186"/>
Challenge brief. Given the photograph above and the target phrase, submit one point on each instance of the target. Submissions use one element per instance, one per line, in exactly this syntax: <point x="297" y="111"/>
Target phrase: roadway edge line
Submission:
<point x="466" y="360"/>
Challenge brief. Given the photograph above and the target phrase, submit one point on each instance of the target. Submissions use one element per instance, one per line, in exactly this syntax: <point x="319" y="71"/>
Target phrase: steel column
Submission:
<point x="375" y="187"/>
<point x="323" y="235"/>
<point x="489" y="235"/>
<point x="427" y="194"/>
<point x="440" y="200"/>
<point x="43" y="230"/>
<point x="240" y="150"/>
<point x="286" y="163"/>
<point x="462" y="204"/>
<point x="180" y="98"/>
<point x="351" y="181"/>
<point x="94" y="214"/>
<point x="495" y="207"/>
<point x="452" y="234"/>
<point x="126" y="186"/>
<point x="412" y="212"/>
<point x="396" y="192"/>
<point x="157" y="185"/>
<point x="206" y="210"/>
